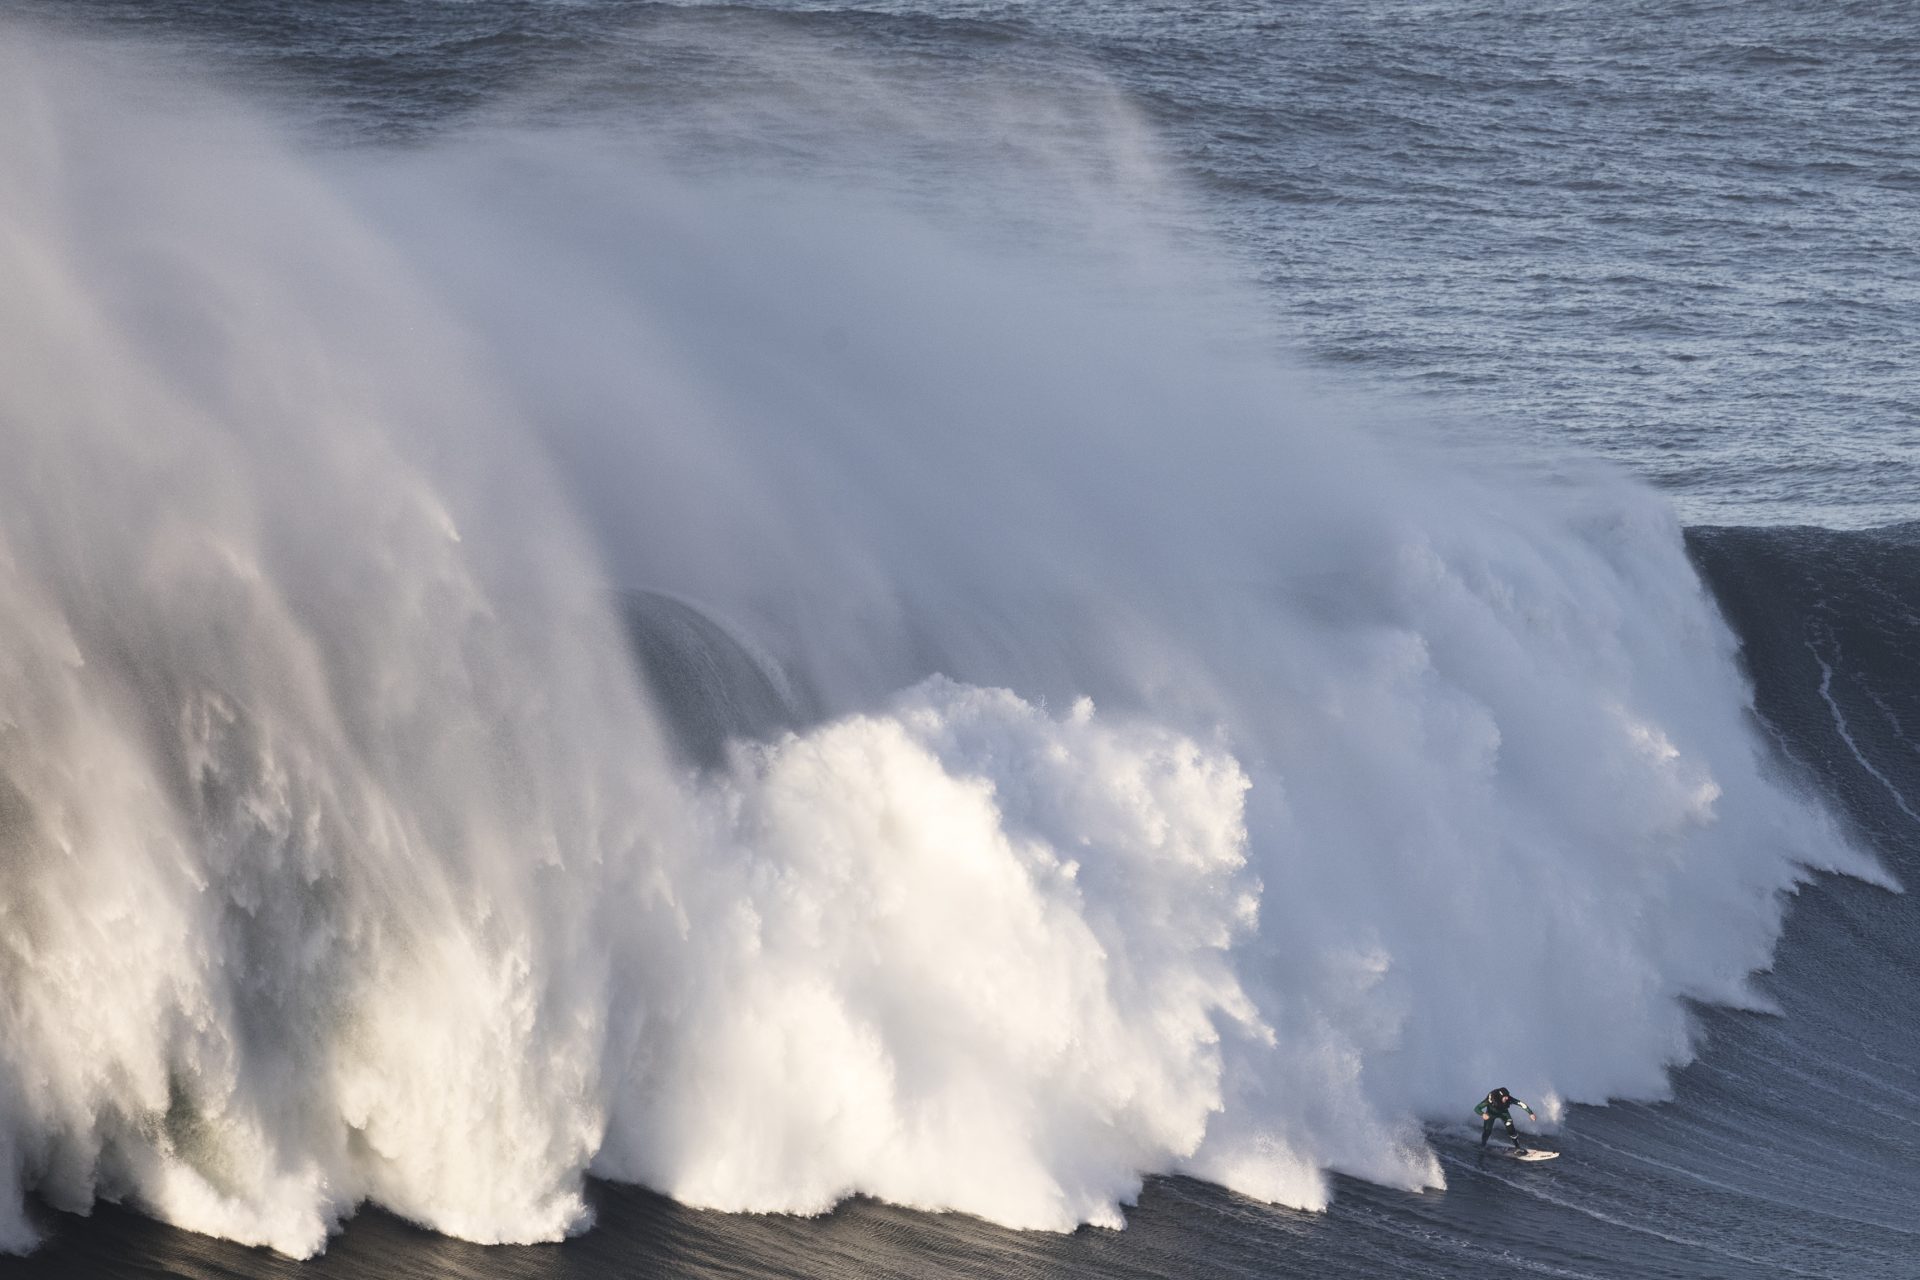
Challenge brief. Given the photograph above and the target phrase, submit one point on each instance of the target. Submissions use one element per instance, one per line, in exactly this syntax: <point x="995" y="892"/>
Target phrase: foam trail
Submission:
<point x="1841" y="727"/>
<point x="344" y="860"/>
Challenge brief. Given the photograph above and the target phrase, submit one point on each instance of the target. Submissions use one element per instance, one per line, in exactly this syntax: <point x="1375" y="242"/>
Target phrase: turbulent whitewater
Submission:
<point x="1133" y="761"/>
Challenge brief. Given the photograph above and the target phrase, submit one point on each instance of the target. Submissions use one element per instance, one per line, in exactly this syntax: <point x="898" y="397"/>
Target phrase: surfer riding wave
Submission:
<point x="1498" y="1105"/>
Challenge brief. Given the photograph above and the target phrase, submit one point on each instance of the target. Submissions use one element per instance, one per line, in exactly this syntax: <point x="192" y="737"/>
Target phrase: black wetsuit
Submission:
<point x="1496" y="1106"/>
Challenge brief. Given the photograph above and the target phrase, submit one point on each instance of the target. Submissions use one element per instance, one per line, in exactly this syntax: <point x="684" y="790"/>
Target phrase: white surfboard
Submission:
<point x="1534" y="1153"/>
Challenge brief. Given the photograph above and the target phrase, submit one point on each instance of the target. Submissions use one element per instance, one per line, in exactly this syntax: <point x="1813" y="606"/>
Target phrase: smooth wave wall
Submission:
<point x="1192" y="778"/>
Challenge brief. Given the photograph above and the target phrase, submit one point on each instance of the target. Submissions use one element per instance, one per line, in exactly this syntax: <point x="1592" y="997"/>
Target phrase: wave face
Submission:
<point x="1827" y="619"/>
<point x="1112" y="759"/>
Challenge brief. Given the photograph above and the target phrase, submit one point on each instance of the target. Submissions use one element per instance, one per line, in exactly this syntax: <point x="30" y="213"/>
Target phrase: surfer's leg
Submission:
<point x="1486" y="1131"/>
<point x="1513" y="1134"/>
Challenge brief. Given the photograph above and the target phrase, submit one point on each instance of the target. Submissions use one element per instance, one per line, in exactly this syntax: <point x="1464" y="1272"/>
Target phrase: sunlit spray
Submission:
<point x="1154" y="768"/>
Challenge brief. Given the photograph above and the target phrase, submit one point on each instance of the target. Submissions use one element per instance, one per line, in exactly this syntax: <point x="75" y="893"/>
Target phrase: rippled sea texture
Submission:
<point x="1676" y="235"/>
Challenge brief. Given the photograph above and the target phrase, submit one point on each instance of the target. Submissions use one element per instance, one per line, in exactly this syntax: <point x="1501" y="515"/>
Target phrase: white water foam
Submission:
<point x="343" y="860"/>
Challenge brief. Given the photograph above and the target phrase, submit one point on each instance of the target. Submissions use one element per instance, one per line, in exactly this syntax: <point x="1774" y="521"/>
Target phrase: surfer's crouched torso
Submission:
<point x="1498" y="1105"/>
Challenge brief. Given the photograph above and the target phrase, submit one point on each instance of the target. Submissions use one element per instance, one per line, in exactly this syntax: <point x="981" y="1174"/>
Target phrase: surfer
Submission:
<point x="1496" y="1106"/>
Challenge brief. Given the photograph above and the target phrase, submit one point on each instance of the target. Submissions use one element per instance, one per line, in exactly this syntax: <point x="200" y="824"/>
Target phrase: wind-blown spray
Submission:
<point x="1176" y="777"/>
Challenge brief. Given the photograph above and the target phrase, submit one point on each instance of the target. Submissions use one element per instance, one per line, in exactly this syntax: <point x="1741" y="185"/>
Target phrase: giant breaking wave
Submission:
<point x="1148" y="769"/>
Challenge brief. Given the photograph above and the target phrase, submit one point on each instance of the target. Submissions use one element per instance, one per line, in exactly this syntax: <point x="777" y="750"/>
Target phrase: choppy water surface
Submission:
<point x="1673" y="235"/>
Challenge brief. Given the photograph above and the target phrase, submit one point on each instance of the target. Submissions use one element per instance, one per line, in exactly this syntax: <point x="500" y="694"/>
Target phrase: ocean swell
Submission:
<point x="1131" y="763"/>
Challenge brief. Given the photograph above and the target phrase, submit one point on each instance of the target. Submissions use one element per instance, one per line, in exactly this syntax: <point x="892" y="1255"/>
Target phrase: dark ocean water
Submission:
<point x="1674" y="236"/>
